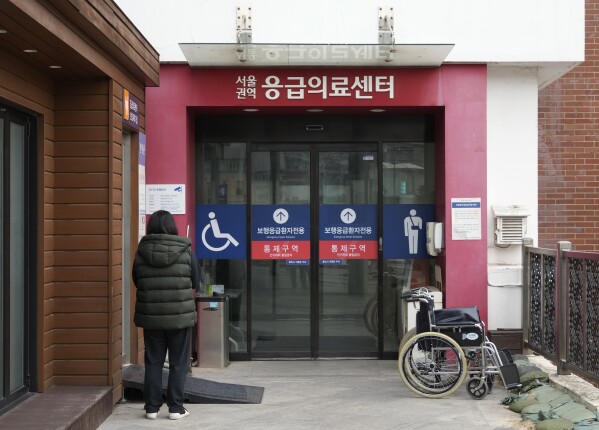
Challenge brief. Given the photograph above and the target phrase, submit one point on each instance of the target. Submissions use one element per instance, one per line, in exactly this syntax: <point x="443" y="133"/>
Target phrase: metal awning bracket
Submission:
<point x="386" y="26"/>
<point x="244" y="24"/>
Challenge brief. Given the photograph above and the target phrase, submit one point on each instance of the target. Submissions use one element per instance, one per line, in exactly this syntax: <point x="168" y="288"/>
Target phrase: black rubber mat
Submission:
<point x="197" y="390"/>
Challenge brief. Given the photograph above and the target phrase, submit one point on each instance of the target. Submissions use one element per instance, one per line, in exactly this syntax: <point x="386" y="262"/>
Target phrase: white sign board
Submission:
<point x="168" y="197"/>
<point x="141" y="157"/>
<point x="465" y="219"/>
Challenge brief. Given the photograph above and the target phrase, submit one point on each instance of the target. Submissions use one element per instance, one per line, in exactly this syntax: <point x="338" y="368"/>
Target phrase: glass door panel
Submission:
<point x="348" y="247"/>
<point x="280" y="304"/>
<point x="17" y="257"/>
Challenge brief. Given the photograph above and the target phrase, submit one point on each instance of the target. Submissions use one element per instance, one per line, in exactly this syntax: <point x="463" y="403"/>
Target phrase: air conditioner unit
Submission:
<point x="510" y="223"/>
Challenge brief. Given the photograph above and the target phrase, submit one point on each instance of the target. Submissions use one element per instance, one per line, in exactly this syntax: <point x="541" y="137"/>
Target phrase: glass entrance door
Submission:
<point x="347" y="251"/>
<point x="314" y="216"/>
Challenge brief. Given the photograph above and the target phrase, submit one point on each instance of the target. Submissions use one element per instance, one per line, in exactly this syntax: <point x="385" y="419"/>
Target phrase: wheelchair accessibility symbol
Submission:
<point x="217" y="234"/>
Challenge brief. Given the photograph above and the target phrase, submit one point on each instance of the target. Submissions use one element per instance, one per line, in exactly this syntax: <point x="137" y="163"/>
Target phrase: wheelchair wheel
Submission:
<point x="370" y="316"/>
<point x="409" y="335"/>
<point x="432" y="365"/>
<point x="477" y="388"/>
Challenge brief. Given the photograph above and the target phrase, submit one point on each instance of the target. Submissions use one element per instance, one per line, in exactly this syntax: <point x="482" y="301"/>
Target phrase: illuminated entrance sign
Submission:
<point x="275" y="87"/>
<point x="281" y="232"/>
<point x="347" y="233"/>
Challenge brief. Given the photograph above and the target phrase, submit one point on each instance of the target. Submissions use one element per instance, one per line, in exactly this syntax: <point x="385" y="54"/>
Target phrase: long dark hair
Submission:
<point x="162" y="222"/>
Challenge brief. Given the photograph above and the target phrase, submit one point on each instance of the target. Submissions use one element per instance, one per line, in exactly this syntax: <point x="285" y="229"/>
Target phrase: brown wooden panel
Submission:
<point x="81" y="258"/>
<point x="16" y="76"/>
<point x="80" y="304"/>
<point x="81" y="149"/>
<point x="81" y="352"/>
<point x="112" y="22"/>
<point x="83" y="87"/>
<point x="89" y="211"/>
<point x="117" y="304"/>
<point x="77" y="226"/>
<point x="84" y="133"/>
<point x="80" y="164"/>
<point x="78" y="180"/>
<point x="71" y="102"/>
<point x="117" y="144"/>
<point x="80" y="367"/>
<point x="80" y="320"/>
<point x="116" y="272"/>
<point x="82" y="336"/>
<point x="80" y="273"/>
<point x="80" y="242"/>
<point x="74" y="195"/>
<point x="25" y="31"/>
<point x="117" y="197"/>
<point x="78" y="118"/>
<point x="78" y="289"/>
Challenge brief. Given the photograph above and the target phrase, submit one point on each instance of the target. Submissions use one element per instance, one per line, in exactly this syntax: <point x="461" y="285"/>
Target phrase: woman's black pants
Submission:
<point x="157" y="342"/>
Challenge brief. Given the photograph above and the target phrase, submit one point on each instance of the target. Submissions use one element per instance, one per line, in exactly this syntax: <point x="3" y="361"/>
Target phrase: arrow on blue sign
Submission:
<point x="348" y="215"/>
<point x="280" y="215"/>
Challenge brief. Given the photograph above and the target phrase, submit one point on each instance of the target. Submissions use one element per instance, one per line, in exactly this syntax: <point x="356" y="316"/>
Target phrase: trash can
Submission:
<point x="213" y="331"/>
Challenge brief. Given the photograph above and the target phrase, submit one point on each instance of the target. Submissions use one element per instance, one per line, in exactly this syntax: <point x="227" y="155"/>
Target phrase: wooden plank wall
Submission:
<point x="79" y="243"/>
<point x="28" y="88"/>
<point x="79" y="286"/>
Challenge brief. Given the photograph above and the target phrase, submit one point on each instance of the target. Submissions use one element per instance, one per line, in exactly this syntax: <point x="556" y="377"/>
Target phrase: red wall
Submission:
<point x="458" y="92"/>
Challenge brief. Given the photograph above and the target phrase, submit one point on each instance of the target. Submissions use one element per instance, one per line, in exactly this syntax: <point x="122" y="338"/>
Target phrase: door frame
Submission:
<point x="30" y="123"/>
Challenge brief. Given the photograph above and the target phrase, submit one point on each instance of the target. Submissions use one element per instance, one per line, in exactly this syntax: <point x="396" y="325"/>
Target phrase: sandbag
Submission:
<point x="574" y="412"/>
<point x="555" y="424"/>
<point x="587" y="425"/>
<point x="520" y="403"/>
<point x="533" y="412"/>
<point x="562" y="399"/>
<point x="530" y="377"/>
<point x="524" y="369"/>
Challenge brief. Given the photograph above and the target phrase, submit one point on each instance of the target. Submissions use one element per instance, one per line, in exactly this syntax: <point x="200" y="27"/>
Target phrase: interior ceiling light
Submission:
<point x="377" y="110"/>
<point x="3" y="31"/>
<point x="55" y="67"/>
<point x="251" y="110"/>
<point x="30" y="51"/>
<point x="314" y="110"/>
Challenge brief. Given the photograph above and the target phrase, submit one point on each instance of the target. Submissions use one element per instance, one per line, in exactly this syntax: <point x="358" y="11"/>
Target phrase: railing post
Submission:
<point x="526" y="243"/>
<point x="562" y="302"/>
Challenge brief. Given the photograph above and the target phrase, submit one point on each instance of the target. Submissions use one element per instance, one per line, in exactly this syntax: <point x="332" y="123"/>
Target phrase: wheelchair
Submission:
<point x="449" y="346"/>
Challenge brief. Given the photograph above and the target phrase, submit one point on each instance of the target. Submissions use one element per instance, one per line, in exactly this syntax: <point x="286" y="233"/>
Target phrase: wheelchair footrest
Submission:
<point x="510" y="376"/>
<point x="505" y="356"/>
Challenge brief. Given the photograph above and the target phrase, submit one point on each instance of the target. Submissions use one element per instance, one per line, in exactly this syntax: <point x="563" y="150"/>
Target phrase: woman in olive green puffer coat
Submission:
<point x="165" y="272"/>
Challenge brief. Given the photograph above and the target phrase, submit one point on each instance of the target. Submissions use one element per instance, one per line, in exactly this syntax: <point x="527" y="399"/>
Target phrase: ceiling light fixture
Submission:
<point x="3" y="31"/>
<point x="55" y="67"/>
<point x="377" y="110"/>
<point x="30" y="51"/>
<point x="314" y="110"/>
<point x="250" y="110"/>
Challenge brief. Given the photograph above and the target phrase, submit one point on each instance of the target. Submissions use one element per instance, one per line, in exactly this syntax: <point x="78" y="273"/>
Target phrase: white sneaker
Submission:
<point x="178" y="415"/>
<point x="151" y="415"/>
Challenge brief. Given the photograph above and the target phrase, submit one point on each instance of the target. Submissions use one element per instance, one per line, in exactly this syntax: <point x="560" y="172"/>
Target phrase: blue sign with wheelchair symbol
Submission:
<point x="221" y="232"/>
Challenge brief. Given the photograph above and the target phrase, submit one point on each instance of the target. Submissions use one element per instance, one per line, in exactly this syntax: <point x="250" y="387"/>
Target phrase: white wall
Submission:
<point x="512" y="178"/>
<point x="482" y="31"/>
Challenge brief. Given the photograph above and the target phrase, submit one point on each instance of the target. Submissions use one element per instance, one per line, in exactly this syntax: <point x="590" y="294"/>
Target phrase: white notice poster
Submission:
<point x="465" y="219"/>
<point x="168" y="197"/>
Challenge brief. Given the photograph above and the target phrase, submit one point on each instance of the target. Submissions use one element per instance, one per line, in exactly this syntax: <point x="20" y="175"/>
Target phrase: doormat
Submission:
<point x="197" y="390"/>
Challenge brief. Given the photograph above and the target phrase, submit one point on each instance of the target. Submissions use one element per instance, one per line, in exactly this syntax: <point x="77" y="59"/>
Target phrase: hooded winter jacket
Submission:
<point x="162" y="273"/>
